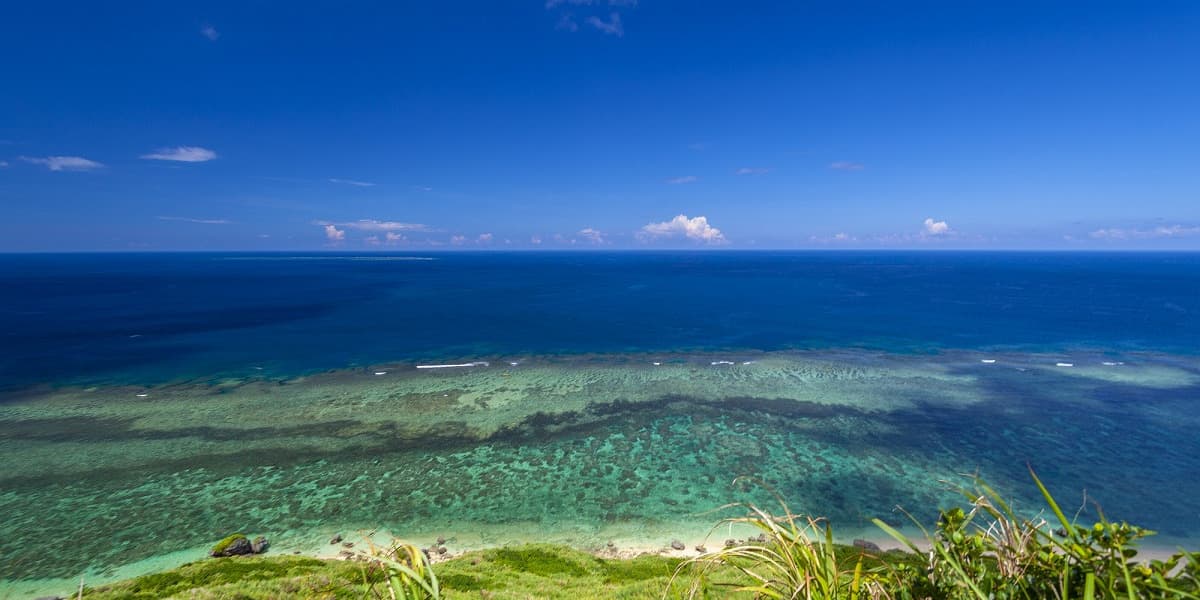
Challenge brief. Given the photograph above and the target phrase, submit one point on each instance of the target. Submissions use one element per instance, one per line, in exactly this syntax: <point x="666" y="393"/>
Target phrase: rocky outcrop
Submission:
<point x="239" y="545"/>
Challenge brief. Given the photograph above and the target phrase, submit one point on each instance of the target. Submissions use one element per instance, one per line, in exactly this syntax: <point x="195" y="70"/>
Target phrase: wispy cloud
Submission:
<point x="3" y="163"/>
<point x="373" y="225"/>
<point x="611" y="27"/>
<point x="352" y="182"/>
<point x="936" y="227"/>
<point x="458" y="240"/>
<point x="484" y="238"/>
<point x="200" y="221"/>
<point x="1160" y="232"/>
<point x="334" y="235"/>
<point x="64" y="163"/>
<point x="698" y="146"/>
<point x="752" y="171"/>
<point x="845" y="165"/>
<point x="837" y="238"/>
<point x="190" y="154"/>
<point x="696" y="229"/>
<point x="591" y="235"/>
<point x="210" y="32"/>
<point x="567" y="23"/>
<point x="684" y="179"/>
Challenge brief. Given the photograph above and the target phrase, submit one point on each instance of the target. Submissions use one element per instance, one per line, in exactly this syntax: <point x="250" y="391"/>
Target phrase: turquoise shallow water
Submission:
<point x="582" y="449"/>
<point x="153" y="403"/>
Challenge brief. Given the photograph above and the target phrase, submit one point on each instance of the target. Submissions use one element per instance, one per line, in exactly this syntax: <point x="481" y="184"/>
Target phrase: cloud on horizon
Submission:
<point x="334" y="235"/>
<point x="189" y="154"/>
<point x="682" y="180"/>
<point x="936" y="227"/>
<point x="695" y="229"/>
<point x="1160" y="232"/>
<point x="64" y="163"/>
<point x="593" y="236"/>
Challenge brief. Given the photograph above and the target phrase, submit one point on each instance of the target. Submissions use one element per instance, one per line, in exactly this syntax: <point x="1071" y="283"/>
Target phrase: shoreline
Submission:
<point x="617" y="548"/>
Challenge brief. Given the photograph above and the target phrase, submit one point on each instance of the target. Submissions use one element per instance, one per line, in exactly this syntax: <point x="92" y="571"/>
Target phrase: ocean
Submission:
<point x="152" y="403"/>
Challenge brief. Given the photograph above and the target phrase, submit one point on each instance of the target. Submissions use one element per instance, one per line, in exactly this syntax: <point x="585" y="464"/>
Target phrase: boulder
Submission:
<point x="234" y="545"/>
<point x="239" y="545"/>
<point x="336" y="539"/>
<point x="677" y="545"/>
<point x="867" y="545"/>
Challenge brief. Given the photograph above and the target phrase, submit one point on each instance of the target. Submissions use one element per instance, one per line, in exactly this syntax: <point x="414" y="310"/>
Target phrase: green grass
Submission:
<point x="515" y="572"/>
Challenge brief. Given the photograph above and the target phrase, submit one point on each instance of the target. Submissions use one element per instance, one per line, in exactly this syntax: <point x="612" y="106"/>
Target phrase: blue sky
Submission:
<point x="601" y="124"/>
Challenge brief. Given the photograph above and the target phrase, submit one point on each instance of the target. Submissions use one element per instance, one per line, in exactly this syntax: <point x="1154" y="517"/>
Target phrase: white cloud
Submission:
<point x="373" y="225"/>
<point x="334" y="235"/>
<point x="352" y="182"/>
<point x="210" y="32"/>
<point x="64" y="163"/>
<point x="200" y="221"/>
<point x="1160" y="232"/>
<point x="592" y="235"/>
<point x="422" y="188"/>
<point x="484" y="238"/>
<point x="752" y="171"/>
<point x="371" y="240"/>
<point x="936" y="227"/>
<point x="845" y="165"/>
<point x="536" y="240"/>
<point x="458" y="240"/>
<point x="696" y="229"/>
<point x="611" y="27"/>
<point x="3" y="163"/>
<point x="684" y="179"/>
<point x="394" y="238"/>
<point x="182" y="154"/>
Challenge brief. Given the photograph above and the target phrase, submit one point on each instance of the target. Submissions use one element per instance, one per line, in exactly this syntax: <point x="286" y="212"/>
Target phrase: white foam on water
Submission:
<point x="479" y="363"/>
<point x="381" y="372"/>
<point x="988" y="361"/>
<point x="1063" y="364"/>
<point x="142" y="395"/>
<point x="656" y="364"/>
<point x="722" y="362"/>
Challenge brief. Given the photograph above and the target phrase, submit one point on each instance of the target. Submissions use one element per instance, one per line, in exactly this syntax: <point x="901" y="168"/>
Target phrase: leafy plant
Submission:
<point x="793" y="557"/>
<point x="989" y="552"/>
<point x="399" y="572"/>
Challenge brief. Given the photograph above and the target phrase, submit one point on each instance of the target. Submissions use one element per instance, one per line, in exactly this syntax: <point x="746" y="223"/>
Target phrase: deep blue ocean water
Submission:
<point x="960" y="374"/>
<point x="154" y="317"/>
